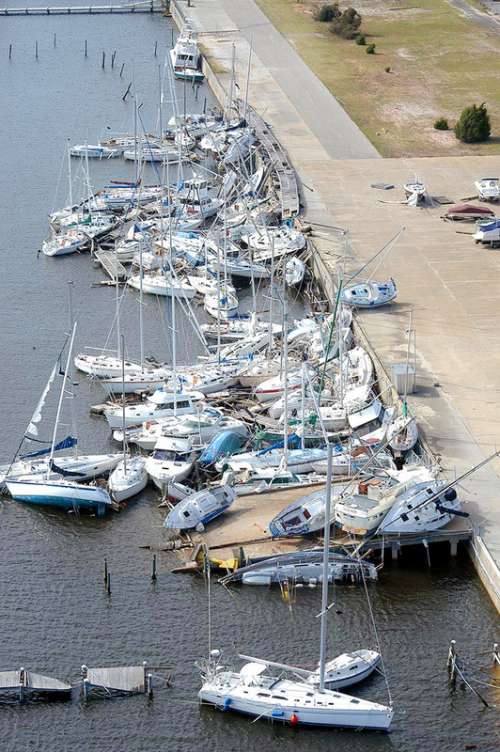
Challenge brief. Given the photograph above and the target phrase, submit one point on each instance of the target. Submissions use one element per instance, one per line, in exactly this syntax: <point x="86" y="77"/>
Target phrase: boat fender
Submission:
<point x="294" y="719"/>
<point x="226" y="703"/>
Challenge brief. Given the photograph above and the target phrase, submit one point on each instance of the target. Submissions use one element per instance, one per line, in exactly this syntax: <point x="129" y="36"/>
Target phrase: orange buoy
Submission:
<point x="294" y="719"/>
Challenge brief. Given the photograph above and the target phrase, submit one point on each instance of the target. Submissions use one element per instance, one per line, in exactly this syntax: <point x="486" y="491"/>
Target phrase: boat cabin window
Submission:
<point x="186" y="513"/>
<point x="354" y="702"/>
<point x="169" y="455"/>
<point x="292" y="522"/>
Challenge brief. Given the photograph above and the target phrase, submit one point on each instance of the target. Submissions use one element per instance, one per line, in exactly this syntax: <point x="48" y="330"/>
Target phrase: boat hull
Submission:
<point x="62" y="496"/>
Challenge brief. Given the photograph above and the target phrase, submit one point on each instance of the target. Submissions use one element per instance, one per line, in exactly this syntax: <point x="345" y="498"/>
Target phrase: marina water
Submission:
<point x="55" y="614"/>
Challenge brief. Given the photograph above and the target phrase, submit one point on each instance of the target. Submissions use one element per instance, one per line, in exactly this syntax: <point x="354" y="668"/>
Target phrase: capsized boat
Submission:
<point x="369" y="294"/>
<point x="429" y="506"/>
<point x="302" y="567"/>
<point x="269" y="242"/>
<point x="198" y="509"/>
<point x="295" y="272"/>
<point x="225" y="444"/>
<point x="402" y="433"/>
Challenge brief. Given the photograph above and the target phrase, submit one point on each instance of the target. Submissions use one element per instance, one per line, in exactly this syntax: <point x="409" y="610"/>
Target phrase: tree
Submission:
<point x="346" y="25"/>
<point x="473" y="125"/>
<point x="327" y="12"/>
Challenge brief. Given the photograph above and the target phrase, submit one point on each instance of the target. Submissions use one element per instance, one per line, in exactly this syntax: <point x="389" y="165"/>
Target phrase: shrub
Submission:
<point x="370" y="50"/>
<point x="388" y="69"/>
<point x="473" y="125"/>
<point x="346" y="25"/>
<point x="360" y="39"/>
<point x="441" y="124"/>
<point x="327" y="12"/>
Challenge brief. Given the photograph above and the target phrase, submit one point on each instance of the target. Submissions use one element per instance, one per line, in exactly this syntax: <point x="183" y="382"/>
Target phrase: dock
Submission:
<point x="116" y="680"/>
<point x="23" y="685"/>
<point x="150" y="6"/>
<point x="113" y="268"/>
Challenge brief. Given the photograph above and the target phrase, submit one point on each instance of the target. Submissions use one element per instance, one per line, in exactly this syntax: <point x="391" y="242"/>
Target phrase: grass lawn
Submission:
<point x="439" y="63"/>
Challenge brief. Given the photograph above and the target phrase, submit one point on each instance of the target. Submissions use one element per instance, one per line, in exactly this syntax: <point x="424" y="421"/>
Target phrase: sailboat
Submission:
<point x="257" y="691"/>
<point x="48" y="491"/>
<point x="130" y="476"/>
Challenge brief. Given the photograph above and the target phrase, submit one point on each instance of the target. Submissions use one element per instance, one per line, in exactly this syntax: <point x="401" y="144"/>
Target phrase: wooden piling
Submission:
<point x="153" y="569"/>
<point x="105" y="571"/>
<point x="55" y="41"/>
<point x="156" y="48"/>
<point x="85" y="48"/>
<point x="10" y="52"/>
<point x="36" y="50"/>
<point x="121" y="69"/>
<point x="108" y="584"/>
<point x="103" y="60"/>
<point x="126" y="93"/>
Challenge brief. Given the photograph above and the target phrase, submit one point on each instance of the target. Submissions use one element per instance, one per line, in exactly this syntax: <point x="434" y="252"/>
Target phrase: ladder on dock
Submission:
<point x="144" y="6"/>
<point x="111" y="265"/>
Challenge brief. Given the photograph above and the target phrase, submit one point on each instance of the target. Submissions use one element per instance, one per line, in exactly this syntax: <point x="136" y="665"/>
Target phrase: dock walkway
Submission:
<point x="148" y="6"/>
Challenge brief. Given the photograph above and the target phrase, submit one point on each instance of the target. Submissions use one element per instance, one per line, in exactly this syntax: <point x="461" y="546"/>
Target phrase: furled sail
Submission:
<point x="37" y="415"/>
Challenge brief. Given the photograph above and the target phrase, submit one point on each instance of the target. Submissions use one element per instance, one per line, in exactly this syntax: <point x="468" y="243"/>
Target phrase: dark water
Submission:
<point x="54" y="614"/>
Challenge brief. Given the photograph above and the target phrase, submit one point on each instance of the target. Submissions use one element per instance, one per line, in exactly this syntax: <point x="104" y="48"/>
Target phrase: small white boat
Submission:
<point x="347" y="669"/>
<point x="200" y="427"/>
<point x="198" y="509"/>
<point x="65" y="242"/>
<point x="222" y="305"/>
<point x="206" y="284"/>
<point x="129" y="478"/>
<point x="295" y="272"/>
<point x="160" y="404"/>
<point x="369" y="294"/>
<point x="297" y="460"/>
<point x="488" y="189"/>
<point x="274" y="241"/>
<point x="186" y="57"/>
<point x="415" y="192"/>
<point x="162" y="283"/>
<point x="488" y="231"/>
<point x="422" y="510"/>
<point x="235" y="330"/>
<point x="164" y="155"/>
<point x="171" y="462"/>
<point x="95" y="152"/>
<point x="144" y="381"/>
<point x="402" y="433"/>
<point x="241" y="267"/>
<point x="272" y="388"/>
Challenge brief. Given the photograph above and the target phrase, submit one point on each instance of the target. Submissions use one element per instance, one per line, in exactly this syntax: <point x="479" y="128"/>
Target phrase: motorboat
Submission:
<point x="488" y="189"/>
<point x="369" y="294"/>
<point x="160" y="404"/>
<point x="171" y="462"/>
<point x="128" y="479"/>
<point x="468" y="212"/>
<point x="295" y="272"/>
<point x="198" y="509"/>
<point x="95" y="151"/>
<point x="488" y="232"/>
<point x="186" y="57"/>
<point x="237" y="329"/>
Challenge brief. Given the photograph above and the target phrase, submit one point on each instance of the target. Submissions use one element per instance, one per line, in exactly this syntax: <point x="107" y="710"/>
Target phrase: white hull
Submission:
<point x="125" y="483"/>
<point x="61" y="494"/>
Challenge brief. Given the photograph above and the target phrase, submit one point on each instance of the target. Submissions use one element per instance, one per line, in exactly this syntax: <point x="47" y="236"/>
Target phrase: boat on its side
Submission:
<point x="198" y="509"/>
<point x="369" y="294"/>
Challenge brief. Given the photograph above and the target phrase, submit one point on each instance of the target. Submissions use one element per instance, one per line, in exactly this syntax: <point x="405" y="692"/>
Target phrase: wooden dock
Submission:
<point x="22" y="685"/>
<point x="113" y="268"/>
<point x="149" y="6"/>
<point x="116" y="680"/>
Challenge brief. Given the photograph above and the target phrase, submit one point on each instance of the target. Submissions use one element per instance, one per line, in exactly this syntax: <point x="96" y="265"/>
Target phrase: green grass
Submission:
<point x="439" y="62"/>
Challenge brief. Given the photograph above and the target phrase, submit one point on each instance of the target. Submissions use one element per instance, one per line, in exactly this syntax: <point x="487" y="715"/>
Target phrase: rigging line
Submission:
<point x="385" y="248"/>
<point x="56" y="192"/>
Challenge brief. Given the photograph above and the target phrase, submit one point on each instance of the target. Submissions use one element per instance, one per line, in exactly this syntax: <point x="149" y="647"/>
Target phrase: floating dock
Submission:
<point x="113" y="268"/>
<point x="22" y="685"/>
<point x="116" y="680"/>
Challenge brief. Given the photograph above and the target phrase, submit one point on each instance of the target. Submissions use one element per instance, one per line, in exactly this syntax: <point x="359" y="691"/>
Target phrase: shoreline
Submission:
<point x="336" y="193"/>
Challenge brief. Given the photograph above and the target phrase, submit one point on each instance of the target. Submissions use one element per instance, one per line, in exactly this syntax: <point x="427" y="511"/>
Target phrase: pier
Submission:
<point x="149" y="6"/>
<point x="113" y="268"/>
<point x="450" y="285"/>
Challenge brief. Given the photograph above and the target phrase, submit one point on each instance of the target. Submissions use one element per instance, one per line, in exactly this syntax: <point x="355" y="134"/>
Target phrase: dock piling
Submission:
<point x="153" y="570"/>
<point x="126" y="93"/>
<point x="149" y="686"/>
<point x="121" y="69"/>
<point x="103" y="64"/>
<point x="55" y="41"/>
<point x="452" y="662"/>
<point x="113" y="59"/>
<point x="427" y="551"/>
<point x="108" y="584"/>
<point x="156" y="48"/>
<point x="85" y="48"/>
<point x="105" y="571"/>
<point x="10" y="52"/>
<point x="36" y="50"/>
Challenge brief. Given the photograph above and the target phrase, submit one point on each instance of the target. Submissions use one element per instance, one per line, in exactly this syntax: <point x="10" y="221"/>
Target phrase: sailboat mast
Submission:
<point x="285" y="384"/>
<point x="124" y="436"/>
<point x="141" y="323"/>
<point x="61" y="397"/>
<point x="70" y="178"/>
<point x="73" y="416"/>
<point x="324" y="588"/>
<point x="160" y="105"/>
<point x="271" y="290"/>
<point x="117" y="314"/>
<point x="248" y="78"/>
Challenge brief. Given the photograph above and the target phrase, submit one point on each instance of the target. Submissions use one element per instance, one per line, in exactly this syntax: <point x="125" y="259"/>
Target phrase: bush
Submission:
<point x="346" y="25"/>
<point x="441" y="124"/>
<point x="370" y="50"/>
<point x="360" y="39"/>
<point x="327" y="12"/>
<point x="388" y="69"/>
<point x="473" y="125"/>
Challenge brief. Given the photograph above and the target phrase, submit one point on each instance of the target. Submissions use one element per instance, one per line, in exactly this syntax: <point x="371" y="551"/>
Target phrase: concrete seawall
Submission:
<point x="450" y="286"/>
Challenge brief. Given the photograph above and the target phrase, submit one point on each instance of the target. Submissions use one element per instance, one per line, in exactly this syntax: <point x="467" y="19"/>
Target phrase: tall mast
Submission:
<point x="70" y="178"/>
<point x="141" y="325"/>
<point x="160" y="105"/>
<point x="117" y="314"/>
<point x="324" y="588"/>
<point x="73" y="416"/>
<point x="61" y="397"/>
<point x="124" y="436"/>
<point x="285" y="385"/>
<point x="245" y="109"/>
